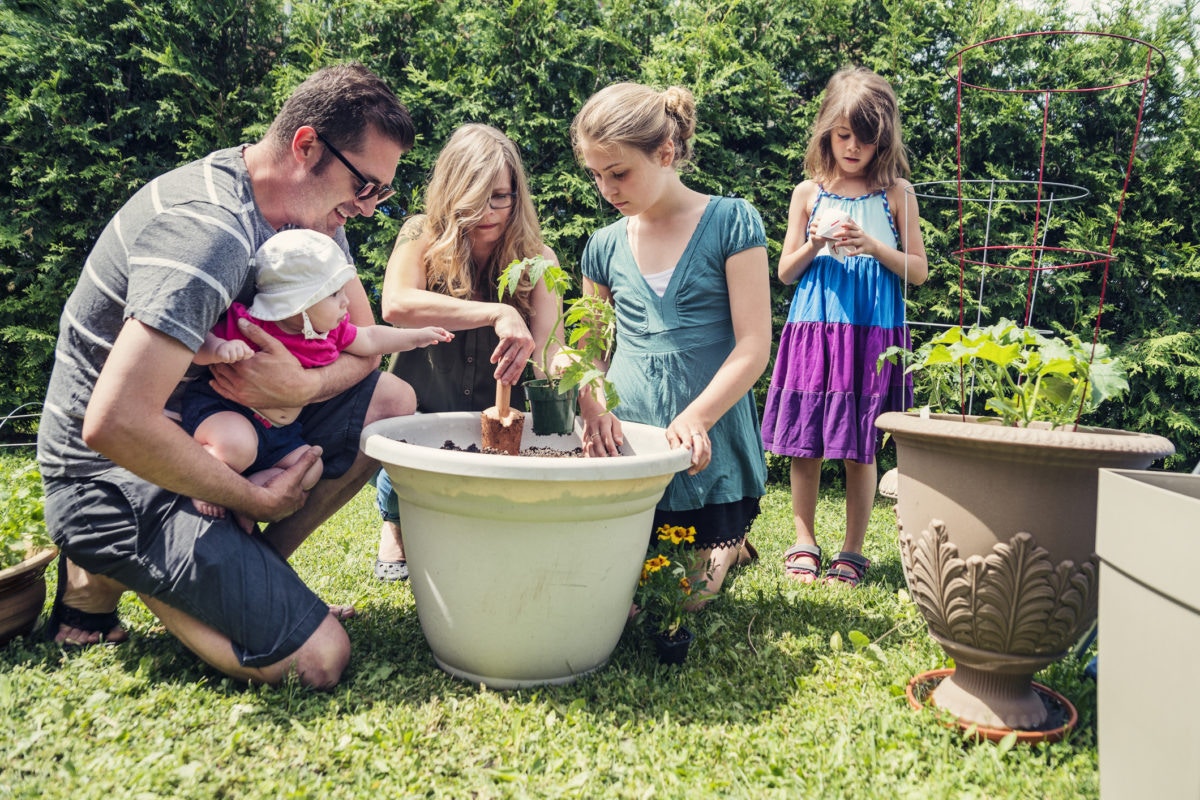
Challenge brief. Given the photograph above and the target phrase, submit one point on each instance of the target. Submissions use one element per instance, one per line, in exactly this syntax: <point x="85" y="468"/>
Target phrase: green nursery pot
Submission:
<point x="552" y="412"/>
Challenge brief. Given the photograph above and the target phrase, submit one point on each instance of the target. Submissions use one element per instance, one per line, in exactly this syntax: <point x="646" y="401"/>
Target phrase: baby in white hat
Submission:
<point x="300" y="300"/>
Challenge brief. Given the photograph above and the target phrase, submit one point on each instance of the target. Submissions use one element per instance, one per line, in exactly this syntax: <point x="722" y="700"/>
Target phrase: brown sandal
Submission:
<point x="747" y="554"/>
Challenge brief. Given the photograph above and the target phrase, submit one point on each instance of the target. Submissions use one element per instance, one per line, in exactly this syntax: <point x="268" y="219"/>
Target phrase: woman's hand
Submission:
<point x="516" y="345"/>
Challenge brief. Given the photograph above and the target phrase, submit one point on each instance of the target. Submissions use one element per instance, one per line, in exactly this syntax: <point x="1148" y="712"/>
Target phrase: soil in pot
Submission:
<point x="530" y="452"/>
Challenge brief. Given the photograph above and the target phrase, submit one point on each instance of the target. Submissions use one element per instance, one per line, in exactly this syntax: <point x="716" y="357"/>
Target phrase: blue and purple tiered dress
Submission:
<point x="826" y="392"/>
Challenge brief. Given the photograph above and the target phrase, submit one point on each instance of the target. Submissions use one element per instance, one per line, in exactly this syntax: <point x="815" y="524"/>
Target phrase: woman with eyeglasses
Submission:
<point x="443" y="271"/>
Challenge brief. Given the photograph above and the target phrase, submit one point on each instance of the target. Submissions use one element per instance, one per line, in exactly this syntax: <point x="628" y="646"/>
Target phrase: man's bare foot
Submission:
<point x="343" y="613"/>
<point x="83" y="621"/>
<point x="70" y="636"/>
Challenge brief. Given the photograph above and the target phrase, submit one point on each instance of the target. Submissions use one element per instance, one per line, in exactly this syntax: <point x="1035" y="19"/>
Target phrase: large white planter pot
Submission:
<point x="523" y="569"/>
<point x="1148" y="540"/>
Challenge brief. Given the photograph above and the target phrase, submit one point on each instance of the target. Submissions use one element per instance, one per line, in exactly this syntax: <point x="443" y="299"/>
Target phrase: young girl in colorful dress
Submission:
<point x="853" y="237"/>
<point x="687" y="274"/>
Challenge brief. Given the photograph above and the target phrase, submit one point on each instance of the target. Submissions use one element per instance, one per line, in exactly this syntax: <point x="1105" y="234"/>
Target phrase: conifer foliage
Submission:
<point x="99" y="96"/>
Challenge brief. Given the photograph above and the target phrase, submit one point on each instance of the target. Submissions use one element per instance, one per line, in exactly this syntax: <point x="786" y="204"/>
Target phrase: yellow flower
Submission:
<point x="676" y="534"/>
<point x="669" y="576"/>
<point x="653" y="565"/>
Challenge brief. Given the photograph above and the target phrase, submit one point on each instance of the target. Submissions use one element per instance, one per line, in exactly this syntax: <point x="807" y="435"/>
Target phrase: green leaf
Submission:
<point x="858" y="639"/>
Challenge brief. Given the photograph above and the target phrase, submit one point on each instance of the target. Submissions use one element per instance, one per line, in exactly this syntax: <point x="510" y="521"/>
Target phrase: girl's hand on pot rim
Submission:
<point x="694" y="437"/>
<point x="602" y="436"/>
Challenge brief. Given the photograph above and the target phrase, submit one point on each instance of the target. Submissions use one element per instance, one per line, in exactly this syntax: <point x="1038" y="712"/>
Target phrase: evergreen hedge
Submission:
<point x="100" y="96"/>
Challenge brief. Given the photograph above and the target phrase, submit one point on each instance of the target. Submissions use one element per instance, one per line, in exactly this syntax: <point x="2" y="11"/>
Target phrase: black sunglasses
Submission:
<point x="369" y="189"/>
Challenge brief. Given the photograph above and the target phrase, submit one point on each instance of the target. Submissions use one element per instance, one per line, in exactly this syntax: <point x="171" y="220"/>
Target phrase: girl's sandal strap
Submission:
<point x="795" y="565"/>
<point x="847" y="567"/>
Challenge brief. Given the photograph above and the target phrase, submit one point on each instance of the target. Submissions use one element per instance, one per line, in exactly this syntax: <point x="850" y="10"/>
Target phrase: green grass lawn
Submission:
<point x="774" y="701"/>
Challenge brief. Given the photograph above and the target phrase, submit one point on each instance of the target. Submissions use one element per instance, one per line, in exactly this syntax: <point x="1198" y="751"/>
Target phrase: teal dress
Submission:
<point x="669" y="348"/>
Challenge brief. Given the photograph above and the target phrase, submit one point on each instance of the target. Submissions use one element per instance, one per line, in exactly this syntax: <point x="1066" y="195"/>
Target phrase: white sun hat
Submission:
<point x="296" y="268"/>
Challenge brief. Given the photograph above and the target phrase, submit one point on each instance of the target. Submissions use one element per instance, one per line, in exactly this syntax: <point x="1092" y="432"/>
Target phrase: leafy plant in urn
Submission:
<point x="1021" y="374"/>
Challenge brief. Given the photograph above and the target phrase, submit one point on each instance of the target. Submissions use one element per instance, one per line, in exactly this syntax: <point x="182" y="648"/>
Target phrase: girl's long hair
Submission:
<point x="859" y="95"/>
<point x="456" y="199"/>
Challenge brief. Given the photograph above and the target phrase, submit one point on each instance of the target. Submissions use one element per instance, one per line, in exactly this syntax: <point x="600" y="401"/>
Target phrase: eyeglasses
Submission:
<point x="500" y="201"/>
<point x="370" y="190"/>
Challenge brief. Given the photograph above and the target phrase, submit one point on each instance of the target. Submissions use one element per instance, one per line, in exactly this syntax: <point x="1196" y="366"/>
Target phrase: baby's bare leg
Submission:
<point x="230" y="438"/>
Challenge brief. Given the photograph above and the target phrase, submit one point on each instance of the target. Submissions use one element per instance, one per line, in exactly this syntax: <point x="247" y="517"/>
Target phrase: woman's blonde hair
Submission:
<point x="637" y="116"/>
<point x="867" y="101"/>
<point x="456" y="200"/>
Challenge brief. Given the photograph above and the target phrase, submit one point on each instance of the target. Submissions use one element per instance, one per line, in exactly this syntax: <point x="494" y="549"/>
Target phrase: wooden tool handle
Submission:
<point x="503" y="394"/>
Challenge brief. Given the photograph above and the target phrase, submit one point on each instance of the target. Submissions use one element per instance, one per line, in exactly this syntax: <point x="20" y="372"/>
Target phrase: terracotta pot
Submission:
<point x="22" y="594"/>
<point x="998" y="542"/>
<point x="1063" y="717"/>
<point x="523" y="568"/>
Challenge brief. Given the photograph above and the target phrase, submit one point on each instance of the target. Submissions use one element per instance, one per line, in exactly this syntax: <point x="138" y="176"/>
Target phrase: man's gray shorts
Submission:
<point x="155" y="542"/>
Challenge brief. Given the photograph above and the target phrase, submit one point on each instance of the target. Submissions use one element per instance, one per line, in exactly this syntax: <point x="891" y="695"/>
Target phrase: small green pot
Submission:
<point x="552" y="412"/>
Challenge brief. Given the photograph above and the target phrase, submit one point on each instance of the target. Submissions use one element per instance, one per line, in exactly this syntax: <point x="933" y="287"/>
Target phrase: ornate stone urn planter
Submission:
<point x="1148" y="540"/>
<point x="998" y="542"/>
<point x="523" y="568"/>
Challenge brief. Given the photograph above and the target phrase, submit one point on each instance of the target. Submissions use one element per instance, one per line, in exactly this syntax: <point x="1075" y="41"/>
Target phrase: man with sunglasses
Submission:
<point x="118" y="469"/>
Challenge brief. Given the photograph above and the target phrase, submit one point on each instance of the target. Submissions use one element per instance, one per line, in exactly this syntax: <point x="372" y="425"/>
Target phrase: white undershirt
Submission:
<point x="658" y="281"/>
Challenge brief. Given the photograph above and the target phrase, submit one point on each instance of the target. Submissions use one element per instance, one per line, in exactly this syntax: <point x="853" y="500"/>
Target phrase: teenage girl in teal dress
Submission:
<point x="687" y="274"/>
